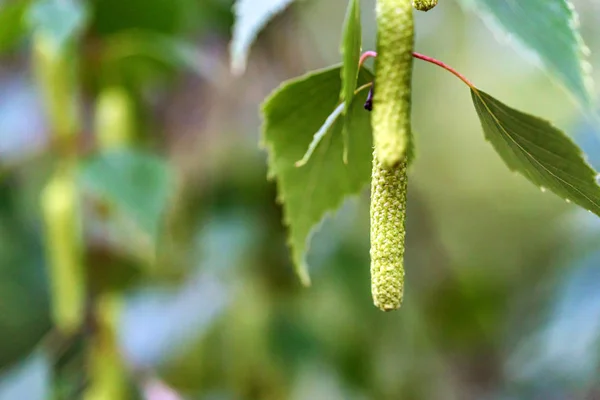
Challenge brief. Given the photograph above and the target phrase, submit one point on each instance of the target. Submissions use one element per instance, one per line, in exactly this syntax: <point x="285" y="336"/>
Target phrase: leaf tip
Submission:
<point x="237" y="66"/>
<point x="300" y="163"/>
<point x="304" y="277"/>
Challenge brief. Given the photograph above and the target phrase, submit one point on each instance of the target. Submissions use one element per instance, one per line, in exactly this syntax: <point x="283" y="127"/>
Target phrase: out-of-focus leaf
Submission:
<point x="24" y="312"/>
<point x="215" y="16"/>
<point x="564" y="352"/>
<point x="292" y="114"/>
<point x="351" y="44"/>
<point x="174" y="319"/>
<point x="539" y="151"/>
<point x="12" y="15"/>
<point x="135" y="184"/>
<point x="550" y="29"/>
<point x="162" y="16"/>
<point x="250" y="17"/>
<point x="165" y="49"/>
<point x="58" y="20"/>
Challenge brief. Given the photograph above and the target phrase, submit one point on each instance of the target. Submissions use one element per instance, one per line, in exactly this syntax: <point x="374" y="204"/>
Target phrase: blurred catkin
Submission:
<point x="108" y="377"/>
<point x="393" y="73"/>
<point x="114" y="119"/>
<point x="388" y="210"/>
<point x="60" y="209"/>
<point x="55" y="74"/>
<point x="114" y="125"/>
<point x="424" y="5"/>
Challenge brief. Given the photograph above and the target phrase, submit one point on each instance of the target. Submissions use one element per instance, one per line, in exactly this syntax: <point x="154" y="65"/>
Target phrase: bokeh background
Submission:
<point x="502" y="280"/>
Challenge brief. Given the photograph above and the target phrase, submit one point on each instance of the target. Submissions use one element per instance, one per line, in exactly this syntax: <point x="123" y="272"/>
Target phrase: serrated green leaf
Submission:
<point x="323" y="130"/>
<point x="550" y="29"/>
<point x="326" y="127"/>
<point x="135" y="184"/>
<point x="350" y="48"/>
<point x="292" y="114"/>
<point x="250" y="17"/>
<point x="58" y="20"/>
<point x="539" y="151"/>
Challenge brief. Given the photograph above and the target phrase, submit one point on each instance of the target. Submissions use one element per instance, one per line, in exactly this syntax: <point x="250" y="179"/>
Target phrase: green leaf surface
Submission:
<point x="323" y="130"/>
<point x="542" y="153"/>
<point x="135" y="185"/>
<point x="250" y="17"/>
<point x="292" y="114"/>
<point x="12" y="26"/>
<point x="58" y="20"/>
<point x="351" y="44"/>
<point x="350" y="48"/>
<point x="550" y="29"/>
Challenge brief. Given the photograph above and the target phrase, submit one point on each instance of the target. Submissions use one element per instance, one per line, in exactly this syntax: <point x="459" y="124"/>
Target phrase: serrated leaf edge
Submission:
<point x="301" y="269"/>
<point x="500" y="34"/>
<point x="581" y="154"/>
<point x="239" y="61"/>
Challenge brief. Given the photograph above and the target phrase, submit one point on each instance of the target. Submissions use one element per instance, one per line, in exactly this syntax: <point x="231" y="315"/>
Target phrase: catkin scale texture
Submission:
<point x="393" y="73"/>
<point x="424" y="5"/>
<point x="388" y="211"/>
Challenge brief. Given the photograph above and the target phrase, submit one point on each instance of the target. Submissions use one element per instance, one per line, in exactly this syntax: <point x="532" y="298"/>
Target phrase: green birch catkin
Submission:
<point x="388" y="210"/>
<point x="424" y="5"/>
<point x="391" y="134"/>
<point x="393" y="73"/>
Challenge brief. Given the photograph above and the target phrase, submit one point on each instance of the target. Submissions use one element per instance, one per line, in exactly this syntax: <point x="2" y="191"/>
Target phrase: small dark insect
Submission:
<point x="369" y="102"/>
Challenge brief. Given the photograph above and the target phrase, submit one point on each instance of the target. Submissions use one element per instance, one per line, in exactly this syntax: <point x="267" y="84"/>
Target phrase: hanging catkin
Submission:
<point x="393" y="72"/>
<point x="391" y="134"/>
<point x="388" y="210"/>
<point x="424" y="5"/>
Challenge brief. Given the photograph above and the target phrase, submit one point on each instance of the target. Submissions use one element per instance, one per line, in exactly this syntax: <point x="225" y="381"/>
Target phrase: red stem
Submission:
<point x="368" y="54"/>
<point x="446" y="67"/>
<point x="365" y="55"/>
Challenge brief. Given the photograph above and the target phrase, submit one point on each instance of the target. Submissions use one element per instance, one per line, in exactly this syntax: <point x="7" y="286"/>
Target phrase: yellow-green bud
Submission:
<point x="388" y="211"/>
<point x="424" y="5"/>
<point x="393" y="73"/>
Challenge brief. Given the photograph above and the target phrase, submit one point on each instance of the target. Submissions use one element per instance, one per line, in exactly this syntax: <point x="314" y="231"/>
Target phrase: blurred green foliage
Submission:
<point x="502" y="280"/>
